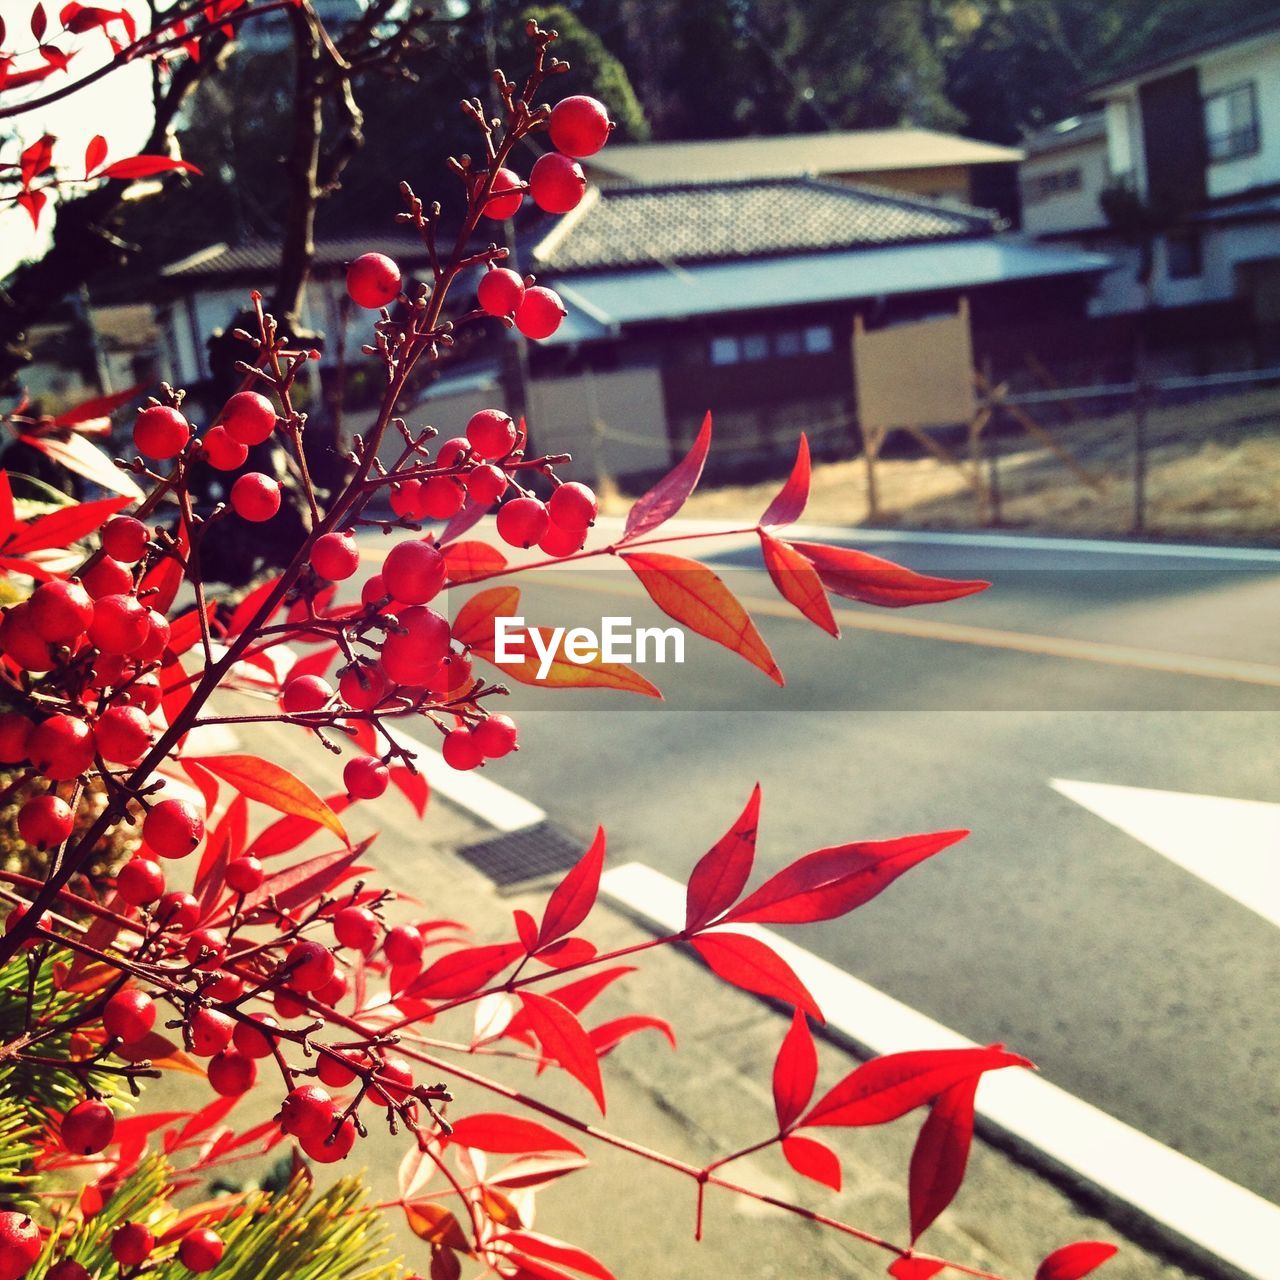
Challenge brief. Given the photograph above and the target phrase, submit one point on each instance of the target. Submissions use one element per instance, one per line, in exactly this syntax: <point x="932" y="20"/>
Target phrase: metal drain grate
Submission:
<point x="523" y="855"/>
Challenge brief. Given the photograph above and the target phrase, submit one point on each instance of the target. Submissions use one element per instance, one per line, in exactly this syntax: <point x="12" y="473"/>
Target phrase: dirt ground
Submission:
<point x="1213" y="472"/>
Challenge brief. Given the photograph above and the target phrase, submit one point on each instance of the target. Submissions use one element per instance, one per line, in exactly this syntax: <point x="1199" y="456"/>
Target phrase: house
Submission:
<point x="916" y="161"/>
<point x="1195" y="136"/>
<point x="751" y="297"/>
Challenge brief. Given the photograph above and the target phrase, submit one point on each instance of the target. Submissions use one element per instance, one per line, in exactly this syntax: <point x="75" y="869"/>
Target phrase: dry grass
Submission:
<point x="1213" y="473"/>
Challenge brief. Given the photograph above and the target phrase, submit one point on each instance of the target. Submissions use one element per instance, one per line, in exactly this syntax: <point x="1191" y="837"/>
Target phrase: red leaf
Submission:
<point x="462" y="972"/>
<point x="302" y="883"/>
<point x="526" y="929"/>
<point x="750" y="964"/>
<point x="535" y="1170"/>
<point x="940" y="1155"/>
<point x="859" y="576"/>
<point x="474" y="623"/>
<point x="813" y="1159"/>
<point x="669" y="494"/>
<point x="564" y="1041"/>
<point x="8" y="517"/>
<point x="466" y="561"/>
<point x="567" y="952"/>
<point x="84" y="458"/>
<point x="33" y="202"/>
<point x="270" y="784"/>
<point x="147" y="167"/>
<point x="790" y="502"/>
<point x="315" y="664"/>
<point x="608" y="1035"/>
<point x="20" y="79"/>
<point x="914" y="1268"/>
<point x="160" y="584"/>
<point x="798" y="582"/>
<point x="287" y="834"/>
<point x="249" y="606"/>
<point x="470" y="516"/>
<point x="412" y="785"/>
<point x="226" y="841"/>
<point x="39" y="22"/>
<point x="886" y="1088"/>
<point x="831" y="882"/>
<point x="575" y="895"/>
<point x="794" y="1072"/>
<point x="696" y="598"/>
<point x="575" y="996"/>
<point x="36" y="159"/>
<point x="535" y="1245"/>
<point x="184" y="632"/>
<point x="503" y="1134"/>
<point x="563" y="674"/>
<point x="94" y="154"/>
<point x="1075" y="1260"/>
<point x="723" y="871"/>
<point x="99" y="406"/>
<point x="66" y="525"/>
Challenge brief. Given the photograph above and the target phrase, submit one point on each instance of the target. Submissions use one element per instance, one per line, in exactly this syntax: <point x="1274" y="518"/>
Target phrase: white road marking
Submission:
<point x="1233" y="845"/>
<point x="1170" y="1189"/>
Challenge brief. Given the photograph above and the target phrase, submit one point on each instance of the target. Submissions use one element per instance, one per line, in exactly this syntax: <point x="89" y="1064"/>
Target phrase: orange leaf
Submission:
<point x="474" y="623"/>
<point x="277" y="788"/>
<point x="595" y="673"/>
<point x="695" y="597"/>
<point x="466" y="561"/>
<point x="798" y="582"/>
<point x="436" y="1225"/>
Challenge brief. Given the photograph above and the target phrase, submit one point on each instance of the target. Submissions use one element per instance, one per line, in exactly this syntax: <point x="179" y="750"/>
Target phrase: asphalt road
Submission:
<point x="1132" y="983"/>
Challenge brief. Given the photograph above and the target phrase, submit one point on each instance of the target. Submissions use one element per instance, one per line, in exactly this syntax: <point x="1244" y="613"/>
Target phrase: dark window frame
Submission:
<point x="1239" y="143"/>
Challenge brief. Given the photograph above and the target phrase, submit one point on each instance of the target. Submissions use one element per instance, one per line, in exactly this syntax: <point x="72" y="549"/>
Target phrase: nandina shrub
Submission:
<point x="222" y="947"/>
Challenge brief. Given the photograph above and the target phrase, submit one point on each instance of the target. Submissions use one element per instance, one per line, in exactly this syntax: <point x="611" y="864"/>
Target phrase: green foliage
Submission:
<point x="289" y="1235"/>
<point x="18" y="1138"/>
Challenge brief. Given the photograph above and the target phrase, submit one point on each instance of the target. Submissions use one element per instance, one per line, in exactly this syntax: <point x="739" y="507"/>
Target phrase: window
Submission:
<point x="1182" y="251"/>
<point x="755" y="346"/>
<point x="1231" y="122"/>
<point x="818" y="340"/>
<point x="790" y="342"/>
<point x="725" y="351"/>
<point x="1043" y="186"/>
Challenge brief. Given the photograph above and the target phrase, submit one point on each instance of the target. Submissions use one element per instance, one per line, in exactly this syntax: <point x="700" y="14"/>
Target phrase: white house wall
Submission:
<point x="1125" y="152"/>
<point x="1259" y="63"/>
<point x="1066" y="211"/>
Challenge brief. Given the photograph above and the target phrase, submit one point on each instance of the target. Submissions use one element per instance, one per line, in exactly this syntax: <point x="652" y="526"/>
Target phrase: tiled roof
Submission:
<point x="793" y="155"/>
<point x="260" y="258"/>
<point x="619" y="227"/>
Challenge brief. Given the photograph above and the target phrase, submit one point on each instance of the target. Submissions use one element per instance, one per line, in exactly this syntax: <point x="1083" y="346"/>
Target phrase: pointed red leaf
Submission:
<point x="66" y="525"/>
<point x="94" y="154"/>
<point x="794" y="1072"/>
<point x="315" y="664"/>
<point x="940" y="1155"/>
<point x="84" y="458"/>
<point x="286" y="834"/>
<point x="270" y="784"/>
<point x="226" y="841"/>
<point x="1075" y="1260"/>
<point x="914" y="1268"/>
<point x="575" y="996"/>
<point x="249" y="606"/>
<point x="36" y="159"/>
<point x="412" y="785"/>
<point x="532" y="1244"/>
<point x="8" y="517"/>
<point x="474" y="622"/>
<point x="608" y="1035"/>
<point x="33" y="202"/>
<point x="790" y="502"/>
<point x="135" y="167"/>
<point x="886" y="1088"/>
<point x="465" y="971"/>
<point x="502" y="1134"/>
<point x="575" y="895"/>
<point x="669" y="494"/>
<point x="470" y="516"/>
<point x="526" y="929"/>
<point x="831" y="882"/>
<point x="465" y="561"/>
<point x="797" y="582"/>
<point x="99" y="406"/>
<point x="723" y="871"/>
<point x="564" y="1041"/>
<point x="566" y="953"/>
<point x="302" y="883"/>
<point x="753" y="966"/>
<point x="39" y="22"/>
<point x="160" y="584"/>
<point x="698" y="599"/>
<point x="184" y="632"/>
<point x="814" y="1160"/>
<point x="859" y="576"/>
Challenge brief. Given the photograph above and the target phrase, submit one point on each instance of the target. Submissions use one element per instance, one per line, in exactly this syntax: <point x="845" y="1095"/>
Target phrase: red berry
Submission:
<point x="373" y="592"/>
<point x="406" y="499"/>
<point x="107" y="577"/>
<point x="45" y="821"/>
<point x="288" y="1004"/>
<point x="60" y="612"/>
<point x="223" y="453"/>
<point x="120" y="624"/>
<point x="122" y="735"/>
<point x="225" y="987"/>
<point x="499" y="291"/>
<point x="572" y="506"/>
<point x="159" y="634"/>
<point x="67" y="1269"/>
<point x="396" y="1077"/>
<point x="328" y="1149"/>
<point x="579" y="126"/>
<point x="305" y="693"/>
<point x="15" y="732"/>
<point x="172" y="828"/>
<point x="88" y="1128"/>
<point x="211" y="1031"/>
<point x="335" y="556"/>
<point x="205" y="948"/>
<point x="460" y="750"/>
<point x="161" y="432"/>
<point x="559" y="541"/>
<point x="129" y="1015"/>
<point x="245" y="873"/>
<point x="202" y="1248"/>
<point x="20" y="1244"/>
<point x="18" y="913"/>
<point x="414" y="572"/>
<point x="522" y="521"/>
<point x="453" y="451"/>
<point x="333" y="1071"/>
<point x="357" y="928"/>
<point x="255" y="497"/>
<point x="365" y="777"/>
<point x="362" y="686"/>
<point x="307" y="1112"/>
<point x="539" y="313"/>
<point x="177" y="910"/>
<point x="373" y="281"/>
<point x="556" y="183"/>
<point x="506" y="196"/>
<point x="403" y="946"/>
<point x="144" y="692"/>
<point x="424" y="634"/>
<point x="495" y="736"/>
<point x="309" y="965"/>
<point x="485" y="484"/>
<point x="140" y="881"/>
<point x="333" y="992"/>
<point x="248" y="418"/>
<point x="125" y="539"/>
<point x="440" y="497"/>
<point x="452" y="677"/>
<point x="61" y="747"/>
<point x="19" y="640"/>
<point x="231" y="1073"/>
<point x="252" y="1038"/>
<point x="131" y="1244"/>
<point x="491" y="433"/>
